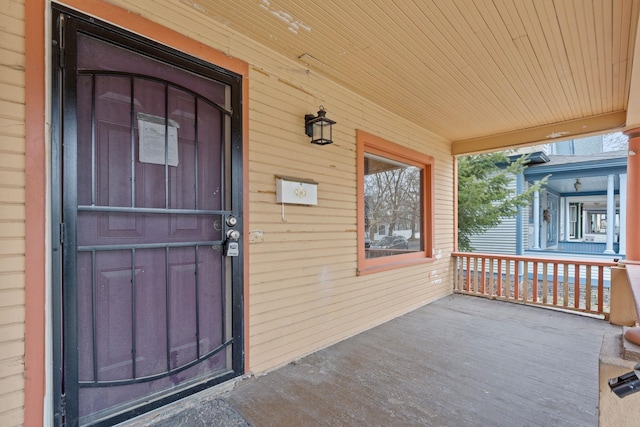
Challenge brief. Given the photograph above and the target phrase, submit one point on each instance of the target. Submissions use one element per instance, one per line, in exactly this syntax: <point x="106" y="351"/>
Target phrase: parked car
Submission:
<point x="391" y="242"/>
<point x="367" y="242"/>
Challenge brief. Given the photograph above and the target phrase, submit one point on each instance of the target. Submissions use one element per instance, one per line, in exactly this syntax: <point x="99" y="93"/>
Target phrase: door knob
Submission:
<point x="231" y="221"/>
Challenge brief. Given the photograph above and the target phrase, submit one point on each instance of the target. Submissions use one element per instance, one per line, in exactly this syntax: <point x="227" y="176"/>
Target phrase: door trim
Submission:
<point x="37" y="247"/>
<point x="203" y="56"/>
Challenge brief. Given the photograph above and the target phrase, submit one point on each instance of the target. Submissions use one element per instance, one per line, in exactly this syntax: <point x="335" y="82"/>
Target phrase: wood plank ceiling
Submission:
<point x="480" y="73"/>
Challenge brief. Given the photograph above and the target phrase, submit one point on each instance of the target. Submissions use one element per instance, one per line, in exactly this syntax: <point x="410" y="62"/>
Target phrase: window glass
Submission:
<point x="395" y="205"/>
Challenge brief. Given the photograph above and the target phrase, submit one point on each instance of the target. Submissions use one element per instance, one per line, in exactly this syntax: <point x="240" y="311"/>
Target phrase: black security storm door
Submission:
<point x="146" y="187"/>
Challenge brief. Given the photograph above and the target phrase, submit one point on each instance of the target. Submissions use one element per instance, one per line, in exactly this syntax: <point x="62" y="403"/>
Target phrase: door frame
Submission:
<point x="233" y="69"/>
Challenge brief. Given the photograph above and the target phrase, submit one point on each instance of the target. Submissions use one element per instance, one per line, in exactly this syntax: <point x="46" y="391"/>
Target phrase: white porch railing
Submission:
<point x="577" y="285"/>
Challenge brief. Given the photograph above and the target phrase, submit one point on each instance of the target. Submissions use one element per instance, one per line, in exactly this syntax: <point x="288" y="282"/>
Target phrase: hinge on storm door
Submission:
<point x="62" y="233"/>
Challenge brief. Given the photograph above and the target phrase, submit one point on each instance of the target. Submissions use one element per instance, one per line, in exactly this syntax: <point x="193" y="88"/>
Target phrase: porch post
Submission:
<point x="632" y="240"/>
<point x="622" y="234"/>
<point x="519" y="227"/>
<point x="567" y="219"/>
<point x="633" y="195"/>
<point x="611" y="213"/>
<point x="536" y="219"/>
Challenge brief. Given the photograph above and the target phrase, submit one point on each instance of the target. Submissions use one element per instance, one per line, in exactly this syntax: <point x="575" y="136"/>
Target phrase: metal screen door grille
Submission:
<point x="99" y="215"/>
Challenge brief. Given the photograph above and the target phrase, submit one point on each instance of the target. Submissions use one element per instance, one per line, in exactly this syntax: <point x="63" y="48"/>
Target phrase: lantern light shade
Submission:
<point x="577" y="185"/>
<point x="319" y="127"/>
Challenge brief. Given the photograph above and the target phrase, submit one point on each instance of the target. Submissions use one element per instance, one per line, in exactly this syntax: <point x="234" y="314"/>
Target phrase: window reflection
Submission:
<point x="393" y="207"/>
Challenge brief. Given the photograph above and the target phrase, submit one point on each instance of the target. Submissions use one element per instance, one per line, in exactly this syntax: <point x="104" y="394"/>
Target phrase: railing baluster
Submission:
<point x="516" y="281"/>
<point x="525" y="281"/>
<point x="545" y="282"/>
<point x="507" y="283"/>
<point x="474" y="275"/>
<point x="600" y="288"/>
<point x="555" y="283"/>
<point x="468" y="274"/>
<point x="456" y="275"/>
<point x="535" y="281"/>
<point x="479" y="284"/>
<point x="472" y="284"/>
<point x="576" y="285"/>
<point x="476" y="271"/>
<point x="587" y="289"/>
<point x="483" y="281"/>
<point x="565" y="285"/>
<point x="461" y="273"/>
<point x="491" y="281"/>
<point x="499" y="277"/>
<point x="456" y="271"/>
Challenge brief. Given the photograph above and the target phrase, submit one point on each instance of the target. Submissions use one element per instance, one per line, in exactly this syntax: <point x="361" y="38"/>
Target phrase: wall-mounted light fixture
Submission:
<point x="319" y="128"/>
<point x="577" y="185"/>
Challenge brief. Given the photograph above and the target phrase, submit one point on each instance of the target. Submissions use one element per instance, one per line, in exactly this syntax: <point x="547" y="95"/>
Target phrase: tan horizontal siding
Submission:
<point x="331" y="305"/>
<point x="12" y="418"/>
<point x="9" y="72"/>
<point x="11" y="367"/>
<point x="12" y="93"/>
<point x="12" y="144"/>
<point x="304" y="290"/>
<point x="10" y="246"/>
<point x="12" y="212"/>
<point x="12" y="110"/>
<point x="12" y="161"/>
<point x="334" y="329"/>
<point x="11" y="400"/>
<point x="13" y="8"/>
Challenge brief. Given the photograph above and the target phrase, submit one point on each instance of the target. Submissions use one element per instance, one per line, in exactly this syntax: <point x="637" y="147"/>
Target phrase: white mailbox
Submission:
<point x="296" y="191"/>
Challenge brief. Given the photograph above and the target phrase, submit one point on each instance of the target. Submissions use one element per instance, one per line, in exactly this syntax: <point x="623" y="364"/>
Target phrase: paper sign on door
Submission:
<point x="151" y="141"/>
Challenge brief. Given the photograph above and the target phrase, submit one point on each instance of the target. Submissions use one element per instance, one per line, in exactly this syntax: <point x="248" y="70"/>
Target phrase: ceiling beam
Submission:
<point x="543" y="134"/>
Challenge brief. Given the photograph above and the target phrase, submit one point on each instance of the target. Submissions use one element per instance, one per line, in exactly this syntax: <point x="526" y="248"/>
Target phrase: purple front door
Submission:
<point x="152" y="307"/>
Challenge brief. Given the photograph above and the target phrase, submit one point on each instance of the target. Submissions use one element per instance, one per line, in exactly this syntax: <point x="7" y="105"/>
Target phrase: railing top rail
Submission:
<point x="535" y="259"/>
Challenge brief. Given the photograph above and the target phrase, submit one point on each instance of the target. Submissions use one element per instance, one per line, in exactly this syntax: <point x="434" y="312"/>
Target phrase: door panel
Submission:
<point x="147" y="290"/>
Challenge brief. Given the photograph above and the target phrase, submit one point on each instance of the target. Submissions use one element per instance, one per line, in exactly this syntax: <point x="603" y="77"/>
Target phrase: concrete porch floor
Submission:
<point x="460" y="361"/>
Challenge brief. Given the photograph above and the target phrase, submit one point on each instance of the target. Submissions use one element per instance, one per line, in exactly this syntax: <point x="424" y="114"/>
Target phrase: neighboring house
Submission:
<point x="505" y="238"/>
<point x="586" y="186"/>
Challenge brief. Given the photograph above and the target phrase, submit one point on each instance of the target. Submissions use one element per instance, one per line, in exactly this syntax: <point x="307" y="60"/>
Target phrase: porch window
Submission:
<point x="597" y="221"/>
<point x="395" y="205"/>
<point x="575" y="226"/>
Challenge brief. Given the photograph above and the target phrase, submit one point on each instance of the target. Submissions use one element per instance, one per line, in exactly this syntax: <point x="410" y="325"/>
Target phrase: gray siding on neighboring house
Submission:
<point x="501" y="239"/>
<point x="498" y="240"/>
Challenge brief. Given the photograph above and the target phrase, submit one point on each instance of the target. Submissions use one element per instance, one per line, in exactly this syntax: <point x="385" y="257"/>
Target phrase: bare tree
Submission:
<point x="393" y="198"/>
